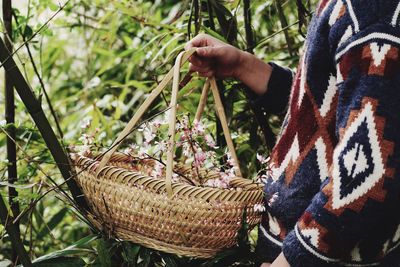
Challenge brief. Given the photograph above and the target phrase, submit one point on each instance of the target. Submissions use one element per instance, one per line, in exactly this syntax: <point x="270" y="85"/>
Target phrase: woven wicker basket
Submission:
<point x="177" y="218"/>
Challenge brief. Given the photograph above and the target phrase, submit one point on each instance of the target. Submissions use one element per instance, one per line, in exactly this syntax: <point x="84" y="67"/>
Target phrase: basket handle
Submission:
<point x="142" y="109"/>
<point x="219" y="107"/>
<point x="175" y="75"/>
<point x="172" y="121"/>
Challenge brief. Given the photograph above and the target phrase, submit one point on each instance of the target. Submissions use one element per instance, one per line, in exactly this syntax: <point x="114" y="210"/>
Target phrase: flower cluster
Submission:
<point x="194" y="147"/>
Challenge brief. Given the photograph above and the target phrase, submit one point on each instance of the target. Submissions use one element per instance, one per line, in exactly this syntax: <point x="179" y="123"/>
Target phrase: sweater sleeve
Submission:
<point x="354" y="218"/>
<point x="276" y="98"/>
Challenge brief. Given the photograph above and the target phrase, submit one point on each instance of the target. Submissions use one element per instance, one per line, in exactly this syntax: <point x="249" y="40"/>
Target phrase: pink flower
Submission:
<point x="148" y="135"/>
<point x="87" y="139"/>
<point x="198" y="127"/>
<point x="156" y="123"/>
<point x="209" y="141"/>
<point x="157" y="171"/>
<point x="199" y="158"/>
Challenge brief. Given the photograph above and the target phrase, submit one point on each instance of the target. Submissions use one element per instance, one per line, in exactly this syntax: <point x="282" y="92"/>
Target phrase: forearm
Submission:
<point x="253" y="72"/>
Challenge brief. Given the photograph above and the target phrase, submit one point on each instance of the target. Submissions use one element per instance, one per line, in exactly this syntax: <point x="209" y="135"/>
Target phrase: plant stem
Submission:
<point x="10" y="119"/>
<point x="247" y="26"/>
<point x="35" y="69"/>
<point x="34" y="34"/>
<point x="7" y="220"/>
<point x="284" y="25"/>
<point x="210" y="16"/>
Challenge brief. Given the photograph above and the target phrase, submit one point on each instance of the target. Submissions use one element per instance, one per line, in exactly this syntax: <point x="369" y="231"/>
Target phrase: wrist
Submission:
<point x="253" y="72"/>
<point x="242" y="68"/>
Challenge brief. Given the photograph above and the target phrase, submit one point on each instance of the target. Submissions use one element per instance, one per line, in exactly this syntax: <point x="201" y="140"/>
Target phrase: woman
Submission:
<point x="333" y="194"/>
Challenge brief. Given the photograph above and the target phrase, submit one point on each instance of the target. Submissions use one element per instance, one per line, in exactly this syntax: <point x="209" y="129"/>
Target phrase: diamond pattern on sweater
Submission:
<point x="359" y="161"/>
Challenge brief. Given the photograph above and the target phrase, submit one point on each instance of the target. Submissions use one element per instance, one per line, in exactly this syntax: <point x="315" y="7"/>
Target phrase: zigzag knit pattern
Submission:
<point x="333" y="192"/>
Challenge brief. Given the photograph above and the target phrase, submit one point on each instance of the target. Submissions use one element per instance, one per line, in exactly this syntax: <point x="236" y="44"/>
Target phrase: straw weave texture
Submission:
<point x="196" y="221"/>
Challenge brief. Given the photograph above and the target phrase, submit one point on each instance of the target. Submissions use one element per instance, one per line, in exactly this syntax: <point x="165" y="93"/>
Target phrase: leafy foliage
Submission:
<point x="97" y="60"/>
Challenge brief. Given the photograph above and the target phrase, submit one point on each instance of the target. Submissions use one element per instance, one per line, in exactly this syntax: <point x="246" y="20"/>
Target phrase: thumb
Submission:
<point x="209" y="51"/>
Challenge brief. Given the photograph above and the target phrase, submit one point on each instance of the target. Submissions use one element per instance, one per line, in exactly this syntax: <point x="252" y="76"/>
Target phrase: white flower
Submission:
<point x="161" y="146"/>
<point x="86" y="123"/>
<point x="94" y="82"/>
<point x="186" y="149"/>
<point x="3" y="123"/>
<point x="148" y="134"/>
<point x="84" y="150"/>
<point x="263" y="179"/>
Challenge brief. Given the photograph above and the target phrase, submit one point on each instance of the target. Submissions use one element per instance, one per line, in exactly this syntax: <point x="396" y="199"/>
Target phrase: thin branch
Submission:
<point x="266" y="39"/>
<point x="34" y="34"/>
<point x="35" y="69"/>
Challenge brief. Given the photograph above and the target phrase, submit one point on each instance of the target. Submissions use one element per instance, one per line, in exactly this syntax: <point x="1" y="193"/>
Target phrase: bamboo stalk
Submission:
<point x="247" y="26"/>
<point x="284" y="25"/>
<point x="35" y="110"/>
<point x="7" y="220"/>
<point x="10" y="119"/>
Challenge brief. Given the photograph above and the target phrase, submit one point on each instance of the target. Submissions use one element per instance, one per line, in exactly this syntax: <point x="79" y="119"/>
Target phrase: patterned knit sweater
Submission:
<point x="333" y="191"/>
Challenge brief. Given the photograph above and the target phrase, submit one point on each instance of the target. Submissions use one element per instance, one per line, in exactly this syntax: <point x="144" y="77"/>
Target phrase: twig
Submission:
<point x="28" y="159"/>
<point x="266" y="39"/>
<point x="34" y="34"/>
<point x="35" y="69"/>
<point x="180" y="174"/>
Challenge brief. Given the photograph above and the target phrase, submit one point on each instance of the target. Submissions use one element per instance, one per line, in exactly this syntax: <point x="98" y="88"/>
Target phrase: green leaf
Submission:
<point x="75" y="248"/>
<point x="145" y="256"/>
<point x="130" y="252"/>
<point x="53" y="7"/>
<point x="103" y="253"/>
<point x="53" y="222"/>
<point x="28" y="32"/>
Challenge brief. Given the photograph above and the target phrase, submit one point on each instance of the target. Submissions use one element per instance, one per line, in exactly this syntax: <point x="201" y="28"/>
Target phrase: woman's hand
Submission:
<point x="280" y="261"/>
<point x="216" y="58"/>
